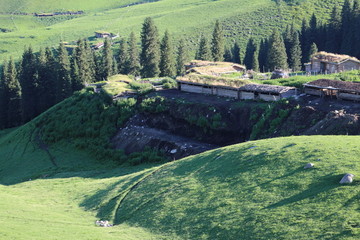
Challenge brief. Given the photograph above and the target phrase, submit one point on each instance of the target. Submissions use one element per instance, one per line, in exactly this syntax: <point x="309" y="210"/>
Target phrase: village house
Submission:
<point x="102" y="34"/>
<point x="323" y="62"/>
<point x="333" y="88"/>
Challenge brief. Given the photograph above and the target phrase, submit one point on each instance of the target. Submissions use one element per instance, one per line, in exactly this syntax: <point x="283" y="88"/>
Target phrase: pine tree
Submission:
<point x="83" y="61"/>
<point x="134" y="63"/>
<point x="356" y="28"/>
<point x="288" y="37"/>
<point x="150" y="49"/>
<point x="228" y="57"/>
<point x="333" y="34"/>
<point x="115" y="69"/>
<point x="107" y="60"/>
<point x="50" y="80"/>
<point x="295" y="53"/>
<point x="124" y="61"/>
<point x="97" y="66"/>
<point x="263" y="51"/>
<point x="77" y="84"/>
<point x="255" y="61"/>
<point x="29" y="84"/>
<point x="63" y="84"/>
<point x="313" y="50"/>
<point x="12" y="94"/>
<point x="346" y="30"/>
<point x="3" y="97"/>
<point x="236" y="53"/>
<point x="277" y="57"/>
<point x="305" y="41"/>
<point x="250" y="49"/>
<point x="42" y="76"/>
<point x="313" y="29"/>
<point x="182" y="56"/>
<point x="203" y="52"/>
<point x="217" y="47"/>
<point x="167" y="60"/>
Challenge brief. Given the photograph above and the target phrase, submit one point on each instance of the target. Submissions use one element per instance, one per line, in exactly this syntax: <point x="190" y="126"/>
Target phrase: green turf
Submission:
<point x="255" y="190"/>
<point x="185" y="19"/>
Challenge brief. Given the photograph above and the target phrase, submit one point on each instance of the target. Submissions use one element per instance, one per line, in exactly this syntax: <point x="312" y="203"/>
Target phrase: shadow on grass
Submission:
<point x="324" y="184"/>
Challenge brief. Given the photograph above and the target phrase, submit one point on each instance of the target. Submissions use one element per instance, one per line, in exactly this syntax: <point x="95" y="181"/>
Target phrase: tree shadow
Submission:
<point x="324" y="184"/>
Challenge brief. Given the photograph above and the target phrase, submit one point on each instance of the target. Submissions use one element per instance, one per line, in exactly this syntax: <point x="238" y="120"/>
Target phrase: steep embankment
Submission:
<point x="255" y="190"/>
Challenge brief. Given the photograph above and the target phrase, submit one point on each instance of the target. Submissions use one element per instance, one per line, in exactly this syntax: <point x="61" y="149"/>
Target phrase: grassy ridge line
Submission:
<point x="257" y="190"/>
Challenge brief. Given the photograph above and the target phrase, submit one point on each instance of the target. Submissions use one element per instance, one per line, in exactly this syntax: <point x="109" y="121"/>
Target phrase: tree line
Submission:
<point x="294" y="47"/>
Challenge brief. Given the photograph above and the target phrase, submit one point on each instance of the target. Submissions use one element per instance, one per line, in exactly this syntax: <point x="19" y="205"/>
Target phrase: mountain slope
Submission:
<point x="187" y="19"/>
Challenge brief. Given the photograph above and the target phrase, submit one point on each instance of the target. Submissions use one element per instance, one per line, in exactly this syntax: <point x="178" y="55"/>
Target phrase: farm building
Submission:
<point x="102" y="34"/>
<point x="243" y="91"/>
<point x="331" y="63"/>
<point x="266" y="92"/>
<point x="213" y="68"/>
<point x="333" y="88"/>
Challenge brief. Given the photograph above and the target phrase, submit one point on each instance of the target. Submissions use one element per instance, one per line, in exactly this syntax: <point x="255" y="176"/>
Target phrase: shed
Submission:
<point x="333" y="88"/>
<point x="266" y="92"/>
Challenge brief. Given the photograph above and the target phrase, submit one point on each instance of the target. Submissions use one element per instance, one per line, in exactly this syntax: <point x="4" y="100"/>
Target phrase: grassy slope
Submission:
<point x="256" y="190"/>
<point x="187" y="19"/>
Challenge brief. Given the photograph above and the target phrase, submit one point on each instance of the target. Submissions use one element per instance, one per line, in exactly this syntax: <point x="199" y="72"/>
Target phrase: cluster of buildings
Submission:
<point x="204" y="77"/>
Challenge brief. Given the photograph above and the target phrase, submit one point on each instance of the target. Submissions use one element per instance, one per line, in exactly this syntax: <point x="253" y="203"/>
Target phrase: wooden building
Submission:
<point x="333" y="88"/>
<point x="266" y="92"/>
<point x="247" y="92"/>
<point x="323" y="62"/>
<point x="102" y="34"/>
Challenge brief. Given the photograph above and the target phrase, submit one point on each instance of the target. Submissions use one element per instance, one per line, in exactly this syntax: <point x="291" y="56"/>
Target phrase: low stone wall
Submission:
<point x="269" y="97"/>
<point x="233" y="93"/>
<point x="247" y="95"/>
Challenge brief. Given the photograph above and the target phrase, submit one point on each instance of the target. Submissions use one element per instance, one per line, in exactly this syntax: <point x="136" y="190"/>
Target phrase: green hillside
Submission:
<point x="185" y="19"/>
<point x="254" y="190"/>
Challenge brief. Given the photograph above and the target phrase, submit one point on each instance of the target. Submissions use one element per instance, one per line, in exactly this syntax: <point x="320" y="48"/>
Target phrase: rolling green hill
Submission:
<point x="254" y="190"/>
<point x="186" y="19"/>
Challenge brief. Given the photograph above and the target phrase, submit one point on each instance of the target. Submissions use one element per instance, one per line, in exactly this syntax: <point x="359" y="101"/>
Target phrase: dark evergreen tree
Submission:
<point x="107" y="60"/>
<point x="313" y="50"/>
<point x="277" y="57"/>
<point x="124" y="61"/>
<point x="295" y="53"/>
<point x="29" y="84"/>
<point x="305" y="41"/>
<point x="182" y="56"/>
<point x="263" y="51"/>
<point x="356" y="28"/>
<point x="228" y="57"/>
<point x="82" y="58"/>
<point x="97" y="66"/>
<point x="250" y="49"/>
<point x="255" y="61"/>
<point x="63" y="84"/>
<point x="236" y="53"/>
<point x="346" y="28"/>
<point x="288" y="37"/>
<point x="48" y="85"/>
<point x="333" y="33"/>
<point x="12" y="93"/>
<point x="134" y="63"/>
<point x="150" y="49"/>
<point x="76" y="82"/>
<point x="167" y="60"/>
<point x="313" y="30"/>
<point x="115" y="69"/>
<point x="217" y="46"/>
<point x="203" y="53"/>
<point x="3" y="97"/>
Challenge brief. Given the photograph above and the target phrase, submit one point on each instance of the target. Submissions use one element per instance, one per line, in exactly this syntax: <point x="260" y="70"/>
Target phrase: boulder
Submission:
<point x="309" y="165"/>
<point x="348" y="178"/>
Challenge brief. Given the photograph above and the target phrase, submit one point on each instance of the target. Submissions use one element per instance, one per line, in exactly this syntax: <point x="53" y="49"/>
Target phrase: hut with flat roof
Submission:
<point x="333" y="88"/>
<point x="266" y="92"/>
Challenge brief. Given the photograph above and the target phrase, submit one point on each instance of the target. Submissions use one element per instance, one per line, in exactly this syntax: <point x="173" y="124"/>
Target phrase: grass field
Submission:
<point x="254" y="190"/>
<point x="186" y="19"/>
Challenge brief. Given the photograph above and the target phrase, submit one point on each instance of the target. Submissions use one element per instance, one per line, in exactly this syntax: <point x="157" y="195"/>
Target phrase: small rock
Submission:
<point x="348" y="178"/>
<point x="173" y="151"/>
<point x="309" y="165"/>
<point x="318" y="159"/>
